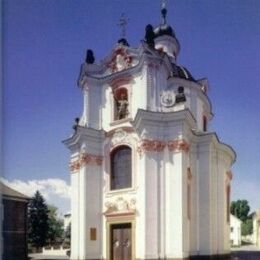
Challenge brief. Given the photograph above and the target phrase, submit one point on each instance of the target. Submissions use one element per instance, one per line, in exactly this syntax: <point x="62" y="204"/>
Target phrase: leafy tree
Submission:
<point x="37" y="221"/>
<point x="55" y="232"/>
<point x="247" y="227"/>
<point x="240" y="209"/>
<point x="67" y="234"/>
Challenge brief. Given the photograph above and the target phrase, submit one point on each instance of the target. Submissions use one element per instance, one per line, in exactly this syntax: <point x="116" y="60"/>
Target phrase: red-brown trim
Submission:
<point x="179" y="146"/>
<point x="85" y="159"/>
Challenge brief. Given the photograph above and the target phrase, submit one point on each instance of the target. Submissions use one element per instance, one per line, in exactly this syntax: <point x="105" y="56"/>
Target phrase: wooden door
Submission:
<point x="121" y="242"/>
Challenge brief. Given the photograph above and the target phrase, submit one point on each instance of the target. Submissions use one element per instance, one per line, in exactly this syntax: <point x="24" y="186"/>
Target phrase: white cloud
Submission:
<point x="55" y="191"/>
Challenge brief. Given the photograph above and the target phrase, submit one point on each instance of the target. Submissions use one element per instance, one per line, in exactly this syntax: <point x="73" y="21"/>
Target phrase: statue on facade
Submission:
<point x="122" y="106"/>
<point x="90" y="58"/>
<point x="149" y="35"/>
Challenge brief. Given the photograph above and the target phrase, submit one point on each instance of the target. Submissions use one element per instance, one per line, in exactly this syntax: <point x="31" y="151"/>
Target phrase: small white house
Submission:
<point x="256" y="228"/>
<point x="235" y="231"/>
<point x="67" y="220"/>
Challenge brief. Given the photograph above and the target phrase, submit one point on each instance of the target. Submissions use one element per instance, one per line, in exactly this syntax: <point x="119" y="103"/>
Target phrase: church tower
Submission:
<point x="148" y="180"/>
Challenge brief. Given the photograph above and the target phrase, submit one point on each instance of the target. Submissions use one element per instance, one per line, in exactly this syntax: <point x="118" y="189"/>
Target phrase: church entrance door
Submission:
<point x="121" y="242"/>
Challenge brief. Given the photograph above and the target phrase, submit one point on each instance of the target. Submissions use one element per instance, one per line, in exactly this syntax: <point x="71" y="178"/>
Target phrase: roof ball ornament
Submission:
<point x="123" y="41"/>
<point x="149" y="35"/>
<point x="90" y="58"/>
<point x="75" y="126"/>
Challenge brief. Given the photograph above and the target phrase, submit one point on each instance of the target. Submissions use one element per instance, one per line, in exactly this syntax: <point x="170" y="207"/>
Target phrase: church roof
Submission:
<point x="164" y="29"/>
<point x="181" y="72"/>
<point x="6" y="191"/>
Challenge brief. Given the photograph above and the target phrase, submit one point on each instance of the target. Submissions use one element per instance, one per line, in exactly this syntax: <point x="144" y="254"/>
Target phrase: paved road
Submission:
<point x="45" y="257"/>
<point x="242" y="253"/>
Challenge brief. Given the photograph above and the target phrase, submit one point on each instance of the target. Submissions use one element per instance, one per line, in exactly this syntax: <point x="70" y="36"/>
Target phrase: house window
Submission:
<point x="228" y="203"/>
<point x="205" y="124"/>
<point x="188" y="201"/>
<point x="231" y="229"/>
<point x="121" y="104"/>
<point x="121" y="168"/>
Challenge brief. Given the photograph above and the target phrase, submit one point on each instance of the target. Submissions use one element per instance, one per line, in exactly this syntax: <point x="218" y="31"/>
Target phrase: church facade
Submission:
<point x="148" y="179"/>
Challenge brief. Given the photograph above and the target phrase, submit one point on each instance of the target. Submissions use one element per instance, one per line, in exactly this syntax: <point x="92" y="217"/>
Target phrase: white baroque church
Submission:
<point x="148" y="179"/>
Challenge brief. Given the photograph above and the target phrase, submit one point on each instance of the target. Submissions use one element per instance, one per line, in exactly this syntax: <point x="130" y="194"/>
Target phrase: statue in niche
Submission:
<point x="122" y="106"/>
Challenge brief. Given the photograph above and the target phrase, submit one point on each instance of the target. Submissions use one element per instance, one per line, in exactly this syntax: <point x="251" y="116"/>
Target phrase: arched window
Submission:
<point x="121" y="104"/>
<point x="121" y="168"/>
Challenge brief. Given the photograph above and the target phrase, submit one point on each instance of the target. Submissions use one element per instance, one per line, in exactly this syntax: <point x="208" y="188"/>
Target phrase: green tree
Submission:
<point x="240" y="209"/>
<point x="247" y="227"/>
<point x="38" y="225"/>
<point x="55" y="232"/>
<point x="67" y="234"/>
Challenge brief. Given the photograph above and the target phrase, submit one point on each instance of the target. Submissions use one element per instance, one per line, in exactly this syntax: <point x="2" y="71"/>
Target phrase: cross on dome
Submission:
<point x="123" y="21"/>
<point x="163" y="11"/>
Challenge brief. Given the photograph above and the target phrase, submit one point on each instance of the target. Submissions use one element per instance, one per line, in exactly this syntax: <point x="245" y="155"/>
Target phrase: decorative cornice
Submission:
<point x="120" y="81"/>
<point x="147" y="145"/>
<point x="85" y="159"/>
<point x="127" y="129"/>
<point x="179" y="146"/>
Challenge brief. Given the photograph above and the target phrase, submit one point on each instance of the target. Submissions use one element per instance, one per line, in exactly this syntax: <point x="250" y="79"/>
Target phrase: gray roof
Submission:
<point x="6" y="191"/>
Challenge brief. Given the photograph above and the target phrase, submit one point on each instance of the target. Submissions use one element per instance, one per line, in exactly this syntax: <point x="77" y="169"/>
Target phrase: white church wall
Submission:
<point x="139" y="93"/>
<point x="151" y="204"/>
<point x="174" y="207"/>
<point x="74" y="215"/>
<point x="92" y="201"/>
<point x="204" y="199"/>
<point x="194" y="235"/>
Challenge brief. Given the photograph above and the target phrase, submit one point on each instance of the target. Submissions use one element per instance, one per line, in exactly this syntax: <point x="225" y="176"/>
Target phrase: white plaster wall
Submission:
<point x="151" y="204"/>
<point x="75" y="227"/>
<point x="235" y="235"/>
<point x="93" y="212"/>
<point x="174" y="207"/>
<point x="204" y="224"/>
<point x="141" y="206"/>
<point x="94" y="100"/>
<point x="194" y="197"/>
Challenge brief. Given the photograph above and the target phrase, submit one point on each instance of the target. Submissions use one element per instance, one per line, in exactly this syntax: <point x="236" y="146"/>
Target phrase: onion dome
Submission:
<point x="164" y="37"/>
<point x="181" y="72"/>
<point x="164" y="29"/>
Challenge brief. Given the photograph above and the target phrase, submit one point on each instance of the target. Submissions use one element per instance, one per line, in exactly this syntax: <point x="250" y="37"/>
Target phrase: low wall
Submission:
<point x="55" y="250"/>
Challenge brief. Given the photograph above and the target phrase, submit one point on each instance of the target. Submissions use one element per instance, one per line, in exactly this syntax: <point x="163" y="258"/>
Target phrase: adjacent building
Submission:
<point x="149" y="179"/>
<point x="256" y="228"/>
<point x="14" y="228"/>
<point x="235" y="231"/>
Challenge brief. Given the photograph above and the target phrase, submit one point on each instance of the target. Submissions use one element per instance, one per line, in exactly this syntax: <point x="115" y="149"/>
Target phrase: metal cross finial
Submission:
<point x="163" y="4"/>
<point x="123" y="21"/>
<point x="163" y="11"/>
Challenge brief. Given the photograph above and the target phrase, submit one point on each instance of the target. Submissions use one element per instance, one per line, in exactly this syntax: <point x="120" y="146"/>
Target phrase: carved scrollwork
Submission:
<point x="85" y="159"/>
<point x="120" y="205"/>
<point x="147" y="145"/>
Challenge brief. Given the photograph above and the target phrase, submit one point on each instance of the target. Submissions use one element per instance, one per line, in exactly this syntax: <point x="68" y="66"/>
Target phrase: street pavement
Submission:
<point x="248" y="252"/>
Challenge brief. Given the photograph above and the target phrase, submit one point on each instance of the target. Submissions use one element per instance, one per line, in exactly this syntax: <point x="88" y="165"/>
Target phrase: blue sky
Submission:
<point x="44" y="43"/>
